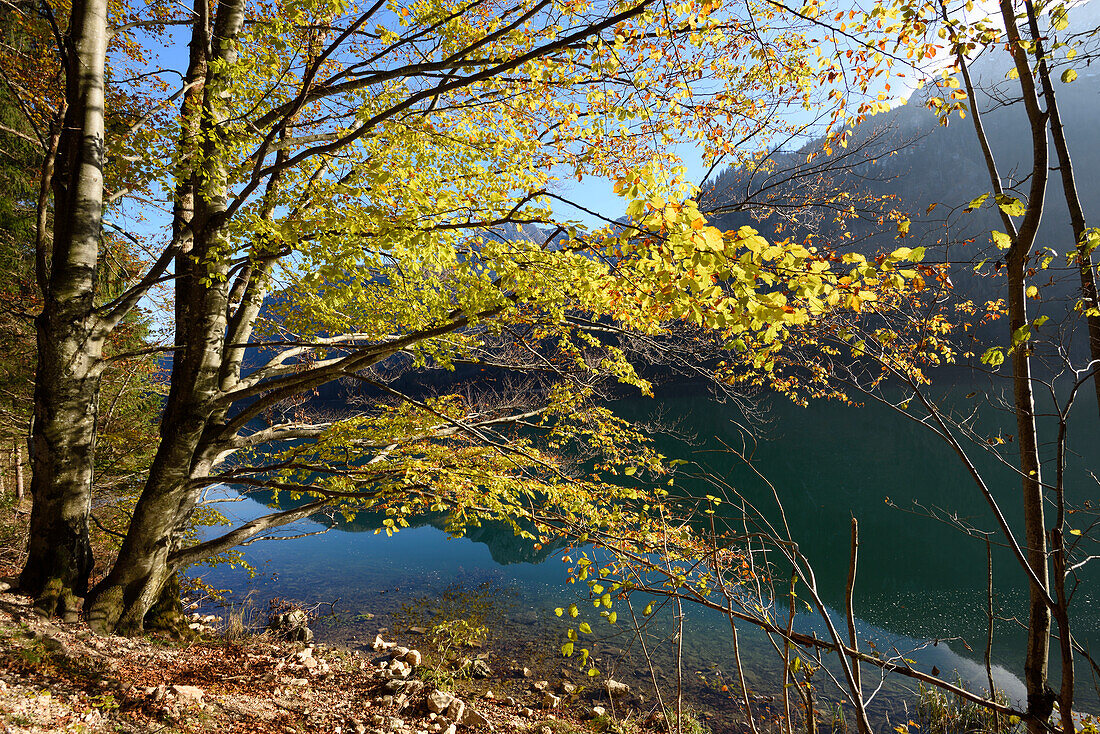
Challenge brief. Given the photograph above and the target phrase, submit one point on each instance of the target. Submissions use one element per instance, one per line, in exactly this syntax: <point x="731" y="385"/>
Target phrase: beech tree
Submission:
<point x="62" y="275"/>
<point x="711" y="564"/>
<point x="340" y="178"/>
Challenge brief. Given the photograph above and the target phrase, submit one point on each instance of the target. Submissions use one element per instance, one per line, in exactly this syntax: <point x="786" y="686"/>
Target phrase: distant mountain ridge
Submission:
<point x="906" y="154"/>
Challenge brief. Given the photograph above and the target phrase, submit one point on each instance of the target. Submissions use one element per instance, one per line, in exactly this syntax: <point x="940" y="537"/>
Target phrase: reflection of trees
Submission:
<point x="504" y="546"/>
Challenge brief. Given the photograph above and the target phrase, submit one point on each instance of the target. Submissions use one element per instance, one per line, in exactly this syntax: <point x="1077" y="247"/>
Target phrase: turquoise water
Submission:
<point x="921" y="580"/>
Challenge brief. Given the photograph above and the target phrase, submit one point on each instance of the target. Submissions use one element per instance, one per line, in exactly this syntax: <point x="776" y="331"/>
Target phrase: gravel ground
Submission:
<point x="57" y="677"/>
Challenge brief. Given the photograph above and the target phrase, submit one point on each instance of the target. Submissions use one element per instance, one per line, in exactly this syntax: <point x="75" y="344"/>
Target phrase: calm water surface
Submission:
<point x="920" y="579"/>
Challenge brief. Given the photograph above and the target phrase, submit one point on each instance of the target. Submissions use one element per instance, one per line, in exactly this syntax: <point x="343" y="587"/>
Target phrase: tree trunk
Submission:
<point x="68" y="372"/>
<point x="1039" y="695"/>
<point x="1072" y="198"/>
<point x="17" y="451"/>
<point x="122" y="600"/>
<point x="125" y="596"/>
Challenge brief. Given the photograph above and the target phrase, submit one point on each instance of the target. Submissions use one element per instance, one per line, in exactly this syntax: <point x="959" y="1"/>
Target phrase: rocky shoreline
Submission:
<point x="60" y="677"/>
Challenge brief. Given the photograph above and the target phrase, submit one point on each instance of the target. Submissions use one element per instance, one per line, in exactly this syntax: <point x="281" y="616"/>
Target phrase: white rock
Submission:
<point x="438" y="701"/>
<point x="473" y="718"/>
<point x="188" y="695"/>
<point x="615" y="689"/>
<point x="413" y="658"/>
<point x="456" y="710"/>
<point x="399" y="671"/>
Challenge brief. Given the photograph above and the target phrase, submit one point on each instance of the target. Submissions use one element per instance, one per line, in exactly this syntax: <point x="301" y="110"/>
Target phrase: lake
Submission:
<point x="921" y="580"/>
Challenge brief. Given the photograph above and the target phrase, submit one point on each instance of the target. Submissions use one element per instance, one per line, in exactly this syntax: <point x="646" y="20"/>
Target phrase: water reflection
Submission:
<point x="921" y="581"/>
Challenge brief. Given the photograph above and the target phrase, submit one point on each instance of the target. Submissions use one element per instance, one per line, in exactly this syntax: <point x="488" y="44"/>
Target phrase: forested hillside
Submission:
<point x="906" y="160"/>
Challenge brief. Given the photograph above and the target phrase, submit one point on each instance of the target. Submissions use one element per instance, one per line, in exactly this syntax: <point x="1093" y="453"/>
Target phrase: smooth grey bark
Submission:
<point x="18" y="458"/>
<point x="70" y="342"/>
<point x="130" y="590"/>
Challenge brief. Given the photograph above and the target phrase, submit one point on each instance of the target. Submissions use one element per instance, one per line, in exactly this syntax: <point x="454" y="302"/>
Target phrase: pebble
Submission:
<point x="438" y="701"/>
<point x="188" y="695"/>
<point x="615" y="689"/>
<point x="456" y="710"/>
<point x="474" y="718"/>
<point x="480" y="669"/>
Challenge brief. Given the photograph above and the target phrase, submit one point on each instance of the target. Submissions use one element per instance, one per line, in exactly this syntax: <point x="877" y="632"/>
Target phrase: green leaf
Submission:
<point x="1021" y="335"/>
<point x="585" y="628"/>
<point x="559" y="611"/>
<point x="994" y="356"/>
<point x="612" y="617"/>
<point x="630" y="470"/>
<point x="567" y="650"/>
<point x="648" y="609"/>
